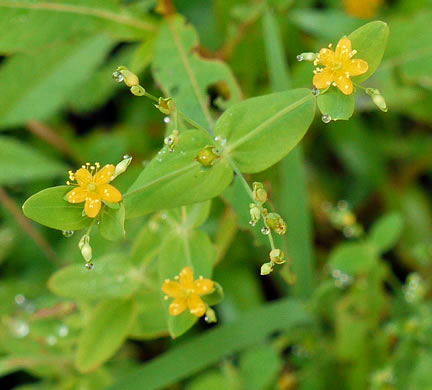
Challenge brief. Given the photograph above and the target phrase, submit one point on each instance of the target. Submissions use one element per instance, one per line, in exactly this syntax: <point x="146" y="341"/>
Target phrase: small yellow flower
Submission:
<point x="362" y="9"/>
<point x="187" y="293"/>
<point x="93" y="188"/>
<point x="339" y="67"/>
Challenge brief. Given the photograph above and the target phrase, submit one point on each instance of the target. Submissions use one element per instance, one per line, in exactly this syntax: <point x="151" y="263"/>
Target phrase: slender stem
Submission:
<point x="150" y="96"/>
<point x="359" y="86"/>
<point x="193" y="123"/>
<point x="250" y="193"/>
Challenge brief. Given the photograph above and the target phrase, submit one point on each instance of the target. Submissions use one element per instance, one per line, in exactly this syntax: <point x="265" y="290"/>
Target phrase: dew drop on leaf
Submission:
<point x="326" y="118"/>
<point x="68" y="233"/>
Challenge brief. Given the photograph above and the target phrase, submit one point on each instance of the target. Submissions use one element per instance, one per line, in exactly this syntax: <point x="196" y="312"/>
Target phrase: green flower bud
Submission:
<point x="255" y="212"/>
<point x="121" y="166"/>
<point x="266" y="268"/>
<point x="377" y="98"/>
<point x="172" y="140"/>
<point x="277" y="256"/>
<point x="86" y="249"/>
<point x="166" y="105"/>
<point x="210" y="315"/>
<point x="310" y="57"/>
<point x="129" y="78"/>
<point x="137" y="90"/>
<point x="207" y="156"/>
<point x="259" y="193"/>
<point x="276" y="223"/>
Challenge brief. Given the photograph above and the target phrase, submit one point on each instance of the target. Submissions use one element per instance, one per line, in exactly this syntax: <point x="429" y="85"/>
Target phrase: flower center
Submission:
<point x="91" y="187"/>
<point x="337" y="66"/>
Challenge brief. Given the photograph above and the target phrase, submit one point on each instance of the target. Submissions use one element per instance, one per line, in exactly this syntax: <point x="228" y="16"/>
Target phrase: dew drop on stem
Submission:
<point x="265" y="230"/>
<point x="89" y="266"/>
<point x="117" y="76"/>
<point x="299" y="58"/>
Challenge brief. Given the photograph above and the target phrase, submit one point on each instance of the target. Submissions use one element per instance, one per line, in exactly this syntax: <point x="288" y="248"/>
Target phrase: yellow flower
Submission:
<point x="187" y="293"/>
<point x="93" y="189"/>
<point x="362" y="9"/>
<point x="339" y="67"/>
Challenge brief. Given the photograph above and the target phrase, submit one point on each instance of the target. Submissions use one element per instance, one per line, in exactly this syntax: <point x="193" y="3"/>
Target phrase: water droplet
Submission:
<point x="300" y="58"/>
<point x="20" y="299"/>
<point x="252" y="223"/>
<point x="51" y="340"/>
<point x="265" y="230"/>
<point x="68" y="233"/>
<point x="206" y="319"/>
<point x="222" y="141"/>
<point x="127" y="157"/>
<point x="89" y="266"/>
<point x="63" y="330"/>
<point x="168" y="140"/>
<point x="167" y="119"/>
<point x="315" y="91"/>
<point x="117" y="76"/>
<point x="20" y="328"/>
<point x="326" y="118"/>
<point x="98" y="222"/>
<point x="336" y="273"/>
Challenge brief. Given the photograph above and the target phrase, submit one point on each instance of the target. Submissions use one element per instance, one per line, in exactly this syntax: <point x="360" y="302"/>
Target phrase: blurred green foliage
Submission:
<point x="356" y="196"/>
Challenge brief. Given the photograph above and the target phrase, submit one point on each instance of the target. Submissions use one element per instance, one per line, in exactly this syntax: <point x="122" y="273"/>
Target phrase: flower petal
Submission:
<point x="92" y="204"/>
<point x="83" y="176"/>
<point x="177" y="306"/>
<point x="326" y="57"/>
<point x="344" y="83"/>
<point x="105" y="174"/>
<point x="355" y="67"/>
<point x="203" y="286"/>
<point x="196" y="305"/>
<point x="109" y="193"/>
<point x="77" y="195"/>
<point x="186" y="277"/>
<point x="343" y="49"/>
<point x="323" y="79"/>
<point x="172" y="289"/>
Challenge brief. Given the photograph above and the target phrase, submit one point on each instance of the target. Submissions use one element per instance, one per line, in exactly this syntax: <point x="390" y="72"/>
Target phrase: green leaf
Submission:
<point x="49" y="208"/>
<point x="35" y="86"/>
<point x="210" y="347"/>
<point x="215" y="297"/>
<point x="353" y="258"/>
<point x="191" y="216"/>
<point x="185" y="76"/>
<point x="175" y="179"/>
<point x="386" y="232"/>
<point x="104" y="333"/>
<point x="262" y="130"/>
<point x="112" y="277"/>
<point x="20" y="163"/>
<point x="336" y="104"/>
<point x="181" y="249"/>
<point x="212" y="380"/>
<point x="370" y="42"/>
<point x="259" y="367"/>
<point x="150" y="321"/>
<point x="112" y="221"/>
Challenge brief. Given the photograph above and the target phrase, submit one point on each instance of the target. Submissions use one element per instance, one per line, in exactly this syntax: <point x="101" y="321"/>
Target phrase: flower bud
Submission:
<point x="87" y="252"/>
<point x="129" y="78"/>
<point x="166" y="105"/>
<point x="207" y="156"/>
<point x="259" y="193"/>
<point x="172" y="140"/>
<point x="266" y="268"/>
<point x="310" y="57"/>
<point x="137" y="90"/>
<point x="276" y="223"/>
<point x="255" y="212"/>
<point x="210" y="315"/>
<point x="121" y="167"/>
<point x="277" y="256"/>
<point x="377" y="98"/>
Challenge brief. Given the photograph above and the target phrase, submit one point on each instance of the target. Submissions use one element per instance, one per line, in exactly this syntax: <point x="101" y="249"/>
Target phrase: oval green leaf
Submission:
<point x="49" y="208"/>
<point x="262" y="130"/>
<point x="353" y="258"/>
<point x="335" y="104"/>
<point x="370" y="42"/>
<point x="176" y="179"/>
<point x="98" y="342"/>
<point x="112" y="220"/>
<point x="112" y="277"/>
<point x="386" y="231"/>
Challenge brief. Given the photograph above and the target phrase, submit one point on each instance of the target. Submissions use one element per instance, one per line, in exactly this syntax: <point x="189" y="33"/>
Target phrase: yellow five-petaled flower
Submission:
<point x="187" y="293"/>
<point x="339" y="67"/>
<point x="93" y="188"/>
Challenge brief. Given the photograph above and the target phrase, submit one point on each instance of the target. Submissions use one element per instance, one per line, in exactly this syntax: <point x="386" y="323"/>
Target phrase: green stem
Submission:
<point x="193" y="123"/>
<point x="359" y="86"/>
